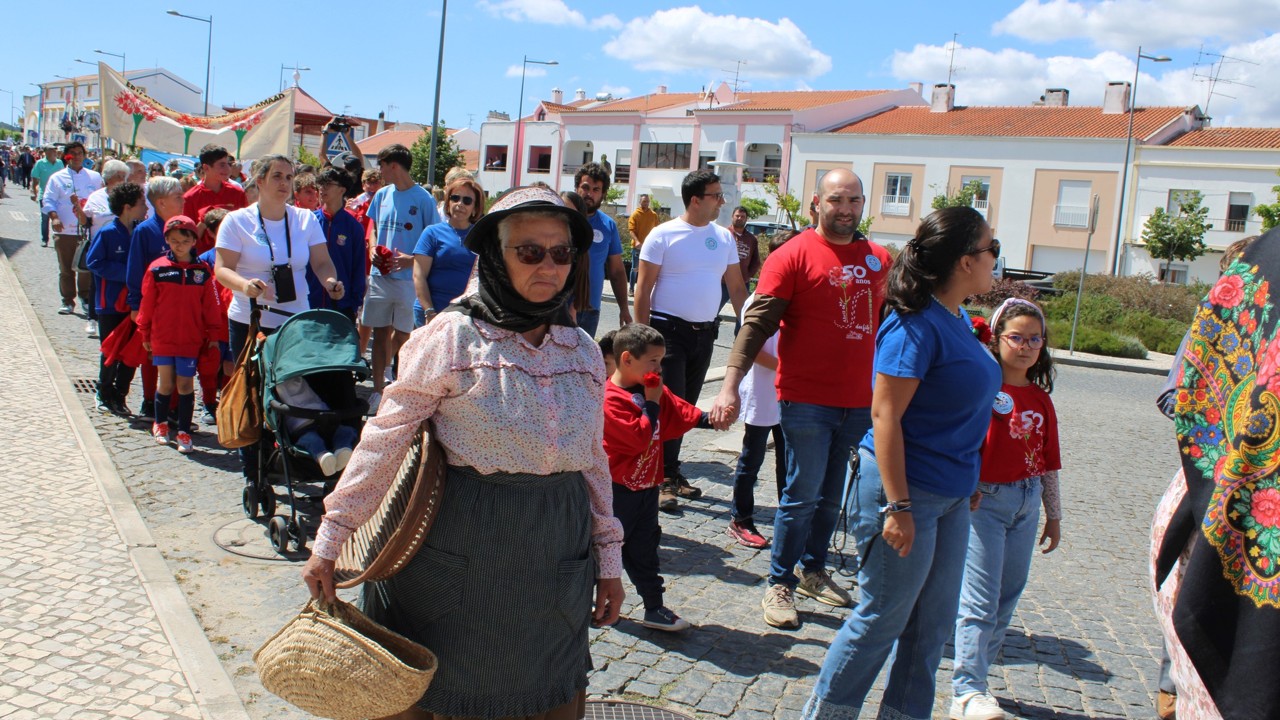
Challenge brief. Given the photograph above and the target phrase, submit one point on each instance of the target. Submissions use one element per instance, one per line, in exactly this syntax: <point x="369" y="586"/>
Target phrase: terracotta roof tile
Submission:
<point x="1027" y="121"/>
<point x="793" y="100"/>
<point x="654" y="101"/>
<point x="374" y="144"/>
<point x="1231" y="137"/>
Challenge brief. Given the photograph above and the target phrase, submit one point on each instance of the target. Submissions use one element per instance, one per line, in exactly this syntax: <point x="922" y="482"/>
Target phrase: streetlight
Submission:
<point x="515" y="173"/>
<point x="120" y="55"/>
<point x="435" y="113"/>
<point x="1128" y="148"/>
<point x="296" y="68"/>
<point x="208" y="52"/>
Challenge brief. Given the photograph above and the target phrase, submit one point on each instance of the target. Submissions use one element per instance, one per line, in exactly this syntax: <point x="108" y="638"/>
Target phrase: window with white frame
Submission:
<point x="1238" y="205"/>
<point x="1072" y="209"/>
<point x="982" y="199"/>
<point x="897" y="194"/>
<point x="1172" y="273"/>
<point x="1176" y="198"/>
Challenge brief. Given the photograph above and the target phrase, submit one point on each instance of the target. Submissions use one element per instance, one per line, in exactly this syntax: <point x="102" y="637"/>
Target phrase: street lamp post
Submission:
<point x="119" y="55"/>
<point x="519" y="154"/>
<point x="1128" y="149"/>
<point x="295" y="67"/>
<point x="208" y="57"/>
<point x="435" y="114"/>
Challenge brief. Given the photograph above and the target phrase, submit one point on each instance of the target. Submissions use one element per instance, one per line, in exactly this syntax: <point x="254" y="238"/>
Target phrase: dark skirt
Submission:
<point x="501" y="592"/>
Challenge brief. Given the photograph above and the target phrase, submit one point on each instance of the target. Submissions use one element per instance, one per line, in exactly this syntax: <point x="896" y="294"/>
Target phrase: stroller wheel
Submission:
<point x="267" y="501"/>
<point x="249" y="501"/>
<point x="278" y="532"/>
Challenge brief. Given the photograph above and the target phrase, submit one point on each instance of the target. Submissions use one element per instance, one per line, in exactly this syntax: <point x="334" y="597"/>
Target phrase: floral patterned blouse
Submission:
<point x="500" y="404"/>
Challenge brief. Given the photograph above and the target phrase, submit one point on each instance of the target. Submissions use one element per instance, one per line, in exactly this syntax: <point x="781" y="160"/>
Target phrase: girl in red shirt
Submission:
<point x="1020" y="463"/>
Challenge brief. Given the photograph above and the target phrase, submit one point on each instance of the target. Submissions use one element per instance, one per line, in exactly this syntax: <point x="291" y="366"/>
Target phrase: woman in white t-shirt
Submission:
<point x="254" y="244"/>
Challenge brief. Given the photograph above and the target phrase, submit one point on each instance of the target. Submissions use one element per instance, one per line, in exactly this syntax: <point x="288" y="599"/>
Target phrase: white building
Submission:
<point x="42" y="113"/>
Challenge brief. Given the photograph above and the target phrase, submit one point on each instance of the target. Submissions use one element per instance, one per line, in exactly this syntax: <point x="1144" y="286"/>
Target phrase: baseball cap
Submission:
<point x="180" y="222"/>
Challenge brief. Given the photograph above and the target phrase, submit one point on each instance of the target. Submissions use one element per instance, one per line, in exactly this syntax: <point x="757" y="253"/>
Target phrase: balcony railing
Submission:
<point x="981" y="206"/>
<point x="895" y="204"/>
<point x="1076" y="216"/>
<point x="760" y="174"/>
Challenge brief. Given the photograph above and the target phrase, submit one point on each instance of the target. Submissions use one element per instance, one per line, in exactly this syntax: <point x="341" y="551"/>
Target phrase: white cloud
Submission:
<point x="547" y="12"/>
<point x="513" y="71"/>
<point x="1015" y="77"/>
<point x="688" y="39"/>
<point x="1126" y="24"/>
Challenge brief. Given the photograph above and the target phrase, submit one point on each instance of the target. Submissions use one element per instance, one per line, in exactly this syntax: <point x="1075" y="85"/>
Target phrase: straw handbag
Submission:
<point x="334" y="662"/>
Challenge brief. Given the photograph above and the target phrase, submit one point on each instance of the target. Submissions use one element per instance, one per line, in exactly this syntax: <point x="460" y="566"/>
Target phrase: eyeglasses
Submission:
<point x="716" y="195"/>
<point x="464" y="199"/>
<point x="534" y="254"/>
<point x="1015" y="340"/>
<point x="993" y="248"/>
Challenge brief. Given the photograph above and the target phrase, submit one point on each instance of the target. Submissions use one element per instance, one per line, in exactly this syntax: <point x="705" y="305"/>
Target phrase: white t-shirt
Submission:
<point x="241" y="232"/>
<point x="693" y="261"/>
<point x="98" y="209"/>
<point x="759" y="396"/>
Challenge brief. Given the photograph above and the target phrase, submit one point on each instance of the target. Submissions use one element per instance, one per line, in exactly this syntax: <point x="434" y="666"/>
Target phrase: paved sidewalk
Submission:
<point x="92" y="623"/>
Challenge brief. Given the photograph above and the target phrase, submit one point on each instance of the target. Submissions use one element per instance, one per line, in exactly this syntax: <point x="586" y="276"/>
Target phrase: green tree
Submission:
<point x="1270" y="214"/>
<point x="448" y="156"/>
<point x="864" y="227"/>
<point x="960" y="198"/>
<point x="306" y="157"/>
<point x="1172" y="237"/>
<point x="614" y="194"/>
<point x="755" y="207"/>
<point x="787" y="202"/>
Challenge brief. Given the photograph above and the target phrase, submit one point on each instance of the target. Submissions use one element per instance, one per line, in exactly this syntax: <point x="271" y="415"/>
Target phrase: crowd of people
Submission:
<point x="931" y="428"/>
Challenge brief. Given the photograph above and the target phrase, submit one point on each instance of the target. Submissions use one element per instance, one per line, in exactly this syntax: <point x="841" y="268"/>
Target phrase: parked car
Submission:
<point x="764" y="228"/>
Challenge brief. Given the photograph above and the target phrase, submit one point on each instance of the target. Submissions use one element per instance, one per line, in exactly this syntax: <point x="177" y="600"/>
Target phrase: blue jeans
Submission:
<point x="755" y="445"/>
<point x="1002" y="538"/>
<point x="589" y="320"/>
<point x="819" y="442"/>
<point x="344" y="436"/>
<point x="906" y="605"/>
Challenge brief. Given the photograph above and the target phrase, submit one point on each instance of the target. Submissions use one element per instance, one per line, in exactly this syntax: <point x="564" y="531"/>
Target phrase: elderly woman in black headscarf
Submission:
<point x="501" y="588"/>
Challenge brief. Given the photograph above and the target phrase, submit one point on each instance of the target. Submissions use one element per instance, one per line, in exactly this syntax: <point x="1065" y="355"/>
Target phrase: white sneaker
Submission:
<point x="328" y="463"/>
<point x="91" y="328"/>
<point x="344" y="456"/>
<point x="976" y="706"/>
<point x="374" y="400"/>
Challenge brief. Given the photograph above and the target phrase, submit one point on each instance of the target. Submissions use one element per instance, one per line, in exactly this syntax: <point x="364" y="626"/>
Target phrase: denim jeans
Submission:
<point x="1002" y="538"/>
<point x="589" y="320"/>
<point x="344" y="436"/>
<point x="906" y="605"/>
<point x="684" y="369"/>
<point x="237" y="336"/>
<point x="44" y="228"/>
<point x="819" y="441"/>
<point x="755" y="443"/>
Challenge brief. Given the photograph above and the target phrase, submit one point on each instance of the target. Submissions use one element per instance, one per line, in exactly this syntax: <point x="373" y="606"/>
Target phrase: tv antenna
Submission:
<point x="1213" y="76"/>
<point x="737" y="72"/>
<point x="951" y="62"/>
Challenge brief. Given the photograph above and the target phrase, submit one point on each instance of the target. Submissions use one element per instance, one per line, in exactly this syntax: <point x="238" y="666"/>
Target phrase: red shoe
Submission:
<point x="160" y="431"/>
<point x="184" y="443"/>
<point x="746" y="534"/>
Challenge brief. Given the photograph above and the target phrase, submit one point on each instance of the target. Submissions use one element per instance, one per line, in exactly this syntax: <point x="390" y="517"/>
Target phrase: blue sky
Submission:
<point x="371" y="57"/>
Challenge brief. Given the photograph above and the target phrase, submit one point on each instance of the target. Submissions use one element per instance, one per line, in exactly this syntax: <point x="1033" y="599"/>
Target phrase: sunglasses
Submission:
<point x="464" y="199"/>
<point x="534" y="254"/>
<point x="1015" y="340"/>
<point x="993" y="248"/>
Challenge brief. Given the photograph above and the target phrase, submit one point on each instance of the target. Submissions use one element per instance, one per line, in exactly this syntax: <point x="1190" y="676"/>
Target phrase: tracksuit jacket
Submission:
<point x="147" y="245"/>
<point x="179" y="313"/>
<point x="108" y="259"/>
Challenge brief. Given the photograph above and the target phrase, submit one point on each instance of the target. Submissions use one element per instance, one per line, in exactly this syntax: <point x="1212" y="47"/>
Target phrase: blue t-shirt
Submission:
<point x="400" y="216"/>
<point x="451" y="263"/>
<point x="946" y="421"/>
<point x="604" y="242"/>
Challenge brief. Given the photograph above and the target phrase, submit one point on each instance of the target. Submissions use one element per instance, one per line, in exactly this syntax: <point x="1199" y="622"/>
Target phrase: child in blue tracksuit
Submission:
<point x="108" y="259"/>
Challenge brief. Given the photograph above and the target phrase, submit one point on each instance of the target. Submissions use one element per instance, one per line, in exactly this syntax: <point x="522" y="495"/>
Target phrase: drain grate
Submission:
<point x="615" y="710"/>
<point x="85" y="385"/>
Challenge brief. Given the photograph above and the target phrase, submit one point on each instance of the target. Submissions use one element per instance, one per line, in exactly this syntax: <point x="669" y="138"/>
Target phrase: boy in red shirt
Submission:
<point x="178" y="317"/>
<point x="639" y="415"/>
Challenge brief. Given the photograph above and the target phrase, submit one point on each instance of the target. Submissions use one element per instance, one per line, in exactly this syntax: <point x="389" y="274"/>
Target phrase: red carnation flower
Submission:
<point x="981" y="329"/>
<point x="651" y="380"/>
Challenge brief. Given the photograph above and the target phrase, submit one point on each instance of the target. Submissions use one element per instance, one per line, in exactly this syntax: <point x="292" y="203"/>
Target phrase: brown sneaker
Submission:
<point x="684" y="489"/>
<point x="1166" y="705"/>
<point x="668" y="500"/>
<point x="780" y="607"/>
<point x="819" y="586"/>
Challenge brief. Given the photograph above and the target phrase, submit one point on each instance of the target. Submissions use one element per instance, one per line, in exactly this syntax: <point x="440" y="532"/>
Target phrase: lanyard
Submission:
<point x="288" y="239"/>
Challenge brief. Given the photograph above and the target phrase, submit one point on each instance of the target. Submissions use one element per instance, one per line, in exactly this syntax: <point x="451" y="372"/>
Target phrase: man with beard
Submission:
<point x="748" y="254"/>
<point x="592" y="183"/>
<point x="824" y="288"/>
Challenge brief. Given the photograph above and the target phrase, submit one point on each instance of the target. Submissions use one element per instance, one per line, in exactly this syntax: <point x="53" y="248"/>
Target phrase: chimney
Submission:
<point x="944" y="98"/>
<point x="1056" y="97"/>
<point x="918" y="88"/>
<point x="662" y="89"/>
<point x="579" y="94"/>
<point x="382" y="122"/>
<point x="495" y="115"/>
<point x="557" y="96"/>
<point x="1116" y="100"/>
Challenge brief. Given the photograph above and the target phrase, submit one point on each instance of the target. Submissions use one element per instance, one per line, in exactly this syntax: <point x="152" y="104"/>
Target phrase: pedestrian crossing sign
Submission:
<point x="335" y="144"/>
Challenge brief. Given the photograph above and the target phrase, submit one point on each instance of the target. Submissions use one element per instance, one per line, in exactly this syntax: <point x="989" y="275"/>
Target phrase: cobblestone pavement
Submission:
<point x="78" y="634"/>
<point x="1083" y="643"/>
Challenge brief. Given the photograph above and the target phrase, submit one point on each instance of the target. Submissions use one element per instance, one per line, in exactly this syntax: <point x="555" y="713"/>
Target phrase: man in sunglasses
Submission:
<point x="592" y="183"/>
<point x="682" y="263"/>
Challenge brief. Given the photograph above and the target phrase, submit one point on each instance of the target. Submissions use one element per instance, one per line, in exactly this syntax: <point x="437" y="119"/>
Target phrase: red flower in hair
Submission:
<point x="981" y="329"/>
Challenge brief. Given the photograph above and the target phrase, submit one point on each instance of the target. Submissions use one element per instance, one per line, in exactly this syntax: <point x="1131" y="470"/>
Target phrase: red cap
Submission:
<point x="180" y="222"/>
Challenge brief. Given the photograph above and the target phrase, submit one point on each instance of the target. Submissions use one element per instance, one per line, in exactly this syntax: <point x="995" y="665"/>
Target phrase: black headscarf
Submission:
<point x="498" y="302"/>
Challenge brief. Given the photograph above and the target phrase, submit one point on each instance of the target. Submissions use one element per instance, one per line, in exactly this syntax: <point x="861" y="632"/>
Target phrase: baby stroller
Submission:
<point x="320" y="348"/>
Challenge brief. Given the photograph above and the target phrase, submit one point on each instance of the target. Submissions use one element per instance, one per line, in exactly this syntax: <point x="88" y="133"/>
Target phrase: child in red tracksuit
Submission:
<point x="639" y="415"/>
<point x="178" y="318"/>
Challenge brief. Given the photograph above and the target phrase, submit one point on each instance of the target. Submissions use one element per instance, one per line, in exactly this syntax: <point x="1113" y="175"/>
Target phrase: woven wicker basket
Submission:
<point x="335" y="662"/>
